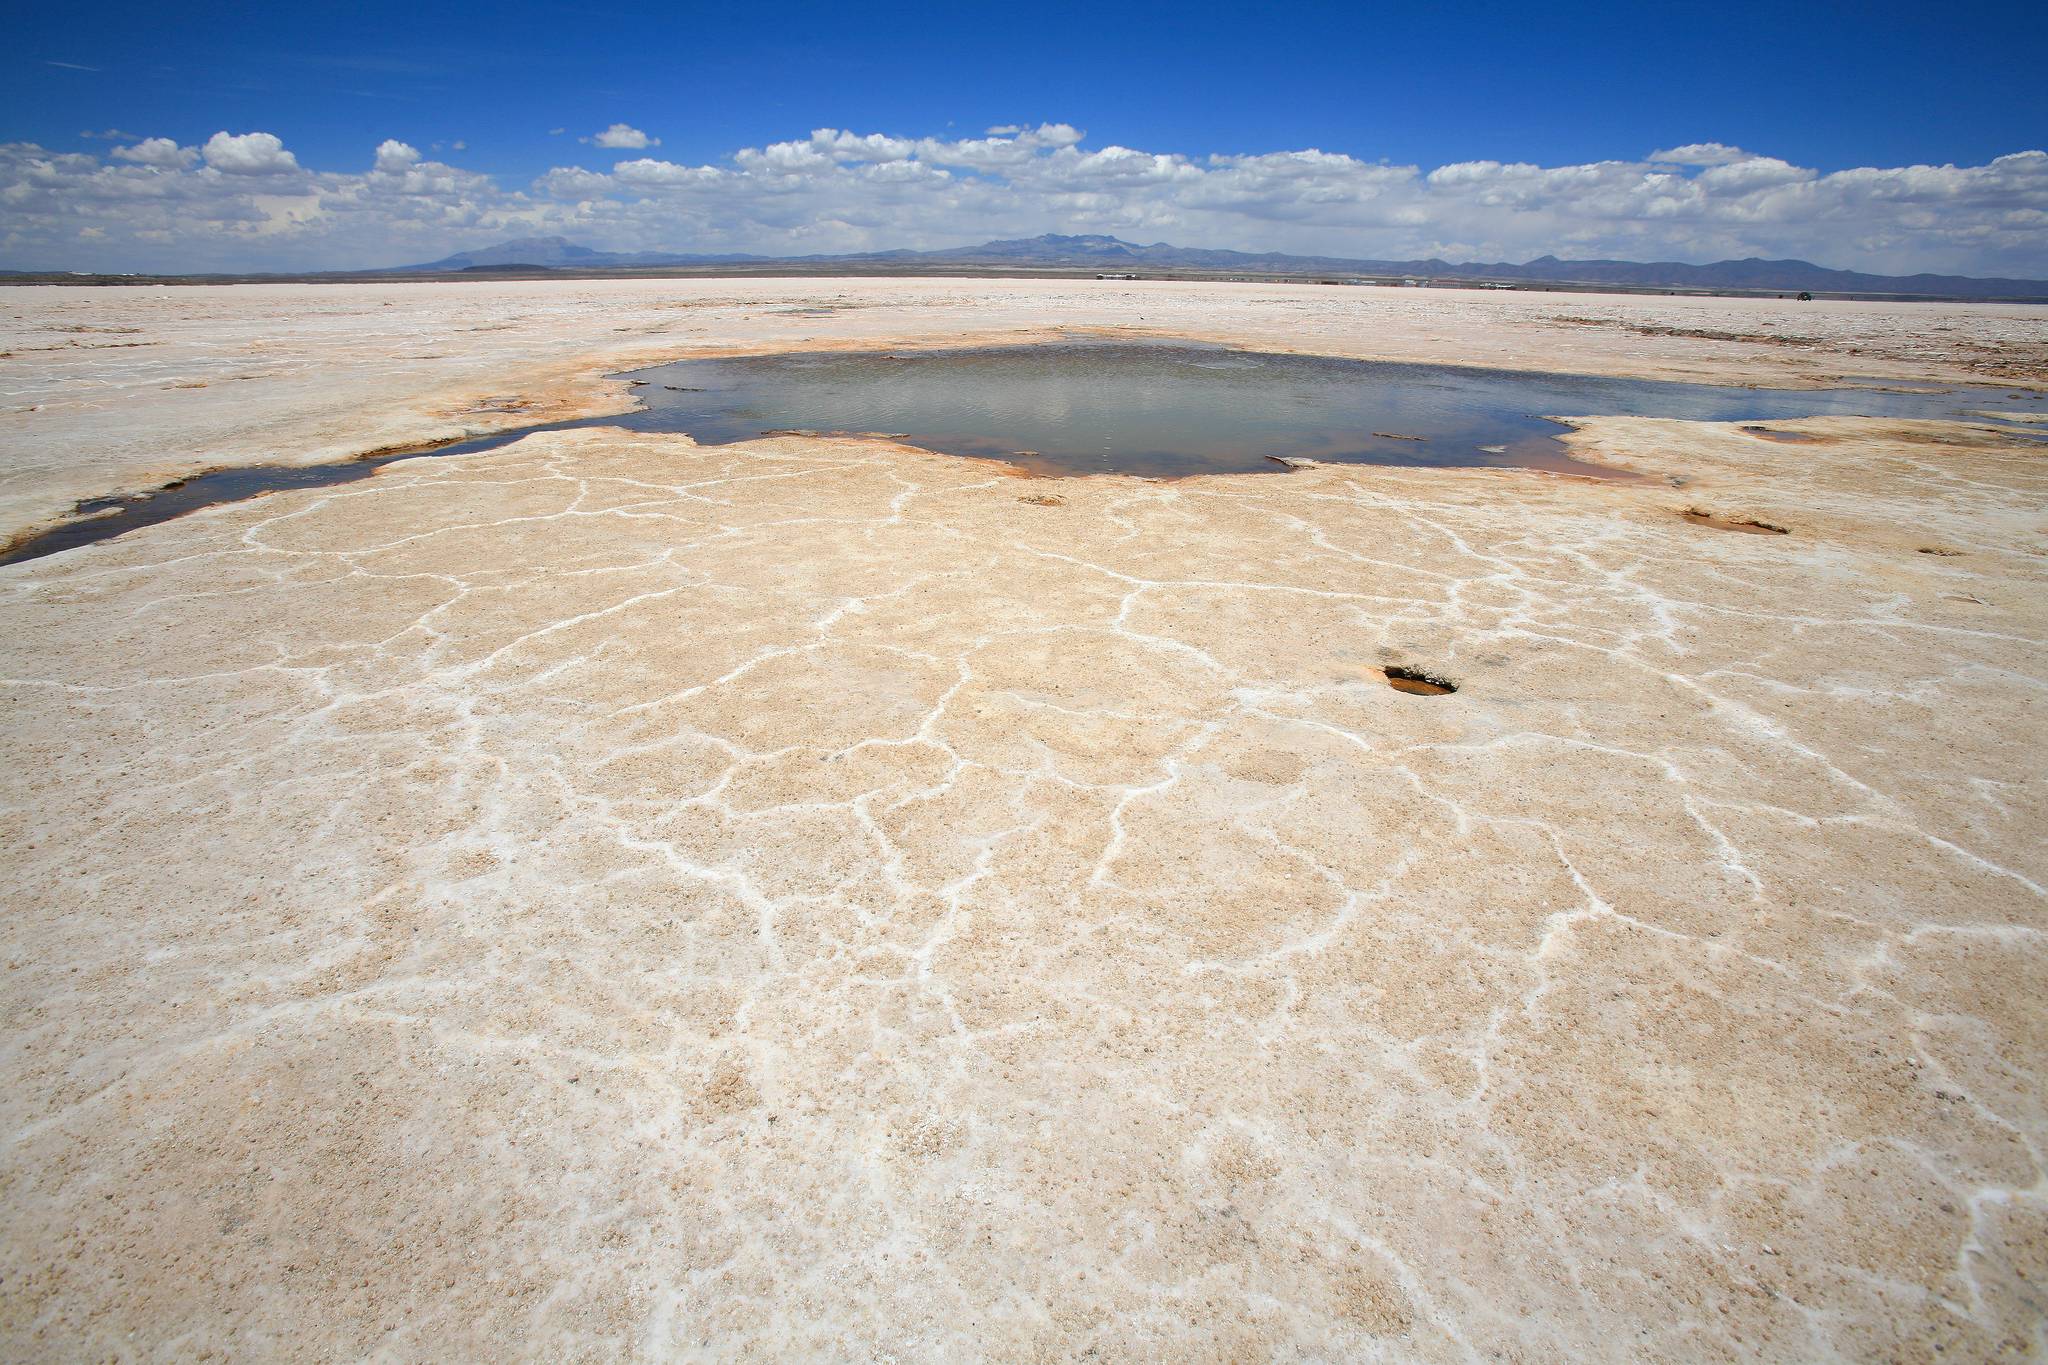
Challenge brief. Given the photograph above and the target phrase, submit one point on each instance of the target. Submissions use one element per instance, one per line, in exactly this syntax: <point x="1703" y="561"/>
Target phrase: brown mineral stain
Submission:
<point x="1373" y="1301"/>
<point x="728" y="1092"/>
<point x="1700" y="516"/>
<point x="1276" y="767"/>
<point x="1416" y="683"/>
<point x="1784" y="437"/>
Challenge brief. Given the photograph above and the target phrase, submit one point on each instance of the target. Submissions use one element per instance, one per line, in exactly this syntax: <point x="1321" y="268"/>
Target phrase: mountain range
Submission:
<point x="1113" y="254"/>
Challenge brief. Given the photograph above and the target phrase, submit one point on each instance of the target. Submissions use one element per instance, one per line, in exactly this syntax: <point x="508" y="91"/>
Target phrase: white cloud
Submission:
<point x="844" y="146"/>
<point x="243" y="202"/>
<point x="161" y="152"/>
<point x="573" y="182"/>
<point x="647" y="173"/>
<point x="395" y="157"/>
<point x="1700" y="154"/>
<point x="248" y="154"/>
<point x="1750" y="174"/>
<point x="459" y="145"/>
<point x="622" y="136"/>
<point x="1052" y="135"/>
<point x="785" y="158"/>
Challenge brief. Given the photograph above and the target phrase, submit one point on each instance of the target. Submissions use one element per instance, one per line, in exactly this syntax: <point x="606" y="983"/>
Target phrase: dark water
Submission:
<point x="1160" y="410"/>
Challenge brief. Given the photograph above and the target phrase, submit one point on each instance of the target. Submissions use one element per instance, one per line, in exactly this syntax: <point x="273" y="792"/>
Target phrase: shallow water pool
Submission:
<point x="1166" y="410"/>
<point x="1151" y="409"/>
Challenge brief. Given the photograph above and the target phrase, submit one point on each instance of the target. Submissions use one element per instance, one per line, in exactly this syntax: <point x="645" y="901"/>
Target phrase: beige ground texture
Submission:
<point x="614" y="898"/>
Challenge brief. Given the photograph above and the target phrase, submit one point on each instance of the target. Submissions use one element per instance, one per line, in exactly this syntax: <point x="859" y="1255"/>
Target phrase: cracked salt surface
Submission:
<point x="793" y="896"/>
<point x="617" y="898"/>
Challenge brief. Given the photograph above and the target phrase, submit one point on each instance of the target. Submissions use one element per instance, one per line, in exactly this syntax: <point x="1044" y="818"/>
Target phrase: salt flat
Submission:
<point x="119" y="389"/>
<point x="610" y="897"/>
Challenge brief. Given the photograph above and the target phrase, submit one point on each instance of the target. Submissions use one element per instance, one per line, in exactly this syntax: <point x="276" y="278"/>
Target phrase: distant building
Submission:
<point x="1116" y="277"/>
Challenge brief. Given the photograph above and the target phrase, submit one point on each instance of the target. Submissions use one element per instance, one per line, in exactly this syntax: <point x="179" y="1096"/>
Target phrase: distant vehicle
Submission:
<point x="1805" y="297"/>
<point x="1116" y="277"/>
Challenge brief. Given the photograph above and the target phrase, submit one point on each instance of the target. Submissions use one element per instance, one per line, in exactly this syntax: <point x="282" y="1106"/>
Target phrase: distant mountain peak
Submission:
<point x="1094" y="249"/>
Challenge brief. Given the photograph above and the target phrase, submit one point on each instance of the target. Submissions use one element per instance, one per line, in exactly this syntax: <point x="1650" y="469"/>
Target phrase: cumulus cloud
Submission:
<point x="241" y="202"/>
<point x="395" y="157"/>
<point x="845" y="146"/>
<point x="573" y="182"/>
<point x="647" y="173"/>
<point x="1051" y="135"/>
<point x="248" y="154"/>
<point x="1733" y="178"/>
<point x="1700" y="154"/>
<point x="622" y="136"/>
<point x="160" y="152"/>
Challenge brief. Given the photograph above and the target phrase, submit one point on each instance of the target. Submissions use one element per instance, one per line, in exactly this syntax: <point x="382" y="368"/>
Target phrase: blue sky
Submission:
<point x="1823" y="88"/>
